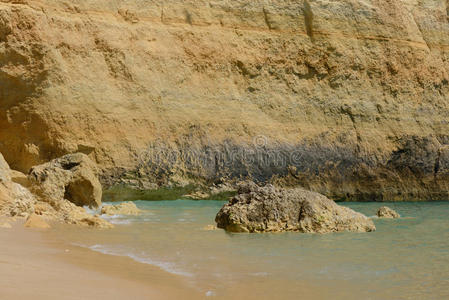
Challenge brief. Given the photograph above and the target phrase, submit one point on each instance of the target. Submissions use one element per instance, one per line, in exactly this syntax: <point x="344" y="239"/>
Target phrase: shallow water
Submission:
<point x="406" y="258"/>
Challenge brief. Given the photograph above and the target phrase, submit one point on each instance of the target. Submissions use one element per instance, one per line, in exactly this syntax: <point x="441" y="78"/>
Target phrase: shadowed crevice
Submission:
<point x="447" y="10"/>
<point x="266" y="18"/>
<point x="308" y="17"/>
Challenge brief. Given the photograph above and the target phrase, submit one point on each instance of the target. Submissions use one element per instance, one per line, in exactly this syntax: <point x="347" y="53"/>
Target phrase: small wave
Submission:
<point x="120" y="221"/>
<point x="117" y="219"/>
<point x="92" y="211"/>
<point x="166" y="266"/>
<point x="108" y="217"/>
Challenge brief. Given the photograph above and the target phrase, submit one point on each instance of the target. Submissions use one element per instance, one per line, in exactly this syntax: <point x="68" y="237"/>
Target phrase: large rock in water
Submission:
<point x="270" y="209"/>
<point x="72" y="177"/>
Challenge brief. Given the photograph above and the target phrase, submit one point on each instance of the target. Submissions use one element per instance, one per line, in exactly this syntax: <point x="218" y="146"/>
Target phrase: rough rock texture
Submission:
<point x="20" y="178"/>
<point x="72" y="214"/>
<point x="127" y="208"/>
<point x="386" y="212"/>
<point x="270" y="209"/>
<point x="49" y="182"/>
<point x="352" y="95"/>
<point x="15" y="200"/>
<point x="72" y="177"/>
<point x="66" y="184"/>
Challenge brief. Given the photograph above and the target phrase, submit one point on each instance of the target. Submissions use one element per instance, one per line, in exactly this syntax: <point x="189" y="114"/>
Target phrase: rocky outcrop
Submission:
<point x="65" y="185"/>
<point x="126" y="208"/>
<point x="353" y="95"/>
<point x="386" y="212"/>
<point x="270" y="209"/>
<point x="71" y="177"/>
<point x="59" y="187"/>
<point x="15" y="200"/>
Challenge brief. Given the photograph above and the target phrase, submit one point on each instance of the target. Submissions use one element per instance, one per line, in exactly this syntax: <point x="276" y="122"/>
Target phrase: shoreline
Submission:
<point x="36" y="264"/>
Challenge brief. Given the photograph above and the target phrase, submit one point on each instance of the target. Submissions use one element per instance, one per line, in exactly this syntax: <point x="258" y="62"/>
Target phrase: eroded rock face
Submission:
<point x="344" y="90"/>
<point x="126" y="208"/>
<point x="60" y="186"/>
<point x="386" y="212"/>
<point x="15" y="200"/>
<point x="270" y="209"/>
<point x="72" y="177"/>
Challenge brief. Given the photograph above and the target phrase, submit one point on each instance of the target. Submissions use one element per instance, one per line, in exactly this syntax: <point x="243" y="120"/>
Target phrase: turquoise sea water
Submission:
<point x="406" y="258"/>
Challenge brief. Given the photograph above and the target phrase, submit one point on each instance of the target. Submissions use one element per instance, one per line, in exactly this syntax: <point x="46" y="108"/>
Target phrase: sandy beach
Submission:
<point x="36" y="266"/>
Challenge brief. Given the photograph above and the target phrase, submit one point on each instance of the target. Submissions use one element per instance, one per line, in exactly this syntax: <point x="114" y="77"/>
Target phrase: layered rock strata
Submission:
<point x="348" y="98"/>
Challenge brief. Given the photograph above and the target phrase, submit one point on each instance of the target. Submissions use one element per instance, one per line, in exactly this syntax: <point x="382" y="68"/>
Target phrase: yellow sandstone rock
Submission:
<point x="354" y="94"/>
<point x="127" y="208"/>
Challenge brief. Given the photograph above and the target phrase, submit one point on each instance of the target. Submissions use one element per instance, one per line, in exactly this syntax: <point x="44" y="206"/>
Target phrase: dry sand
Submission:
<point x="34" y="266"/>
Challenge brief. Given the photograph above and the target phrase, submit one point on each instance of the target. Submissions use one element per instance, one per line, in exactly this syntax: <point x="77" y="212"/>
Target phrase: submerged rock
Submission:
<point x="72" y="177"/>
<point x="35" y="221"/>
<point x="270" y="209"/>
<point x="386" y="212"/>
<point x="127" y="208"/>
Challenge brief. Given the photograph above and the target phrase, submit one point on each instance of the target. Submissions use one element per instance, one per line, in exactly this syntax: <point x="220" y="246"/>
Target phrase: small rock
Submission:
<point x="210" y="227"/>
<point x="197" y="195"/>
<point x="126" y="208"/>
<point x="35" y="221"/>
<point x="386" y="212"/>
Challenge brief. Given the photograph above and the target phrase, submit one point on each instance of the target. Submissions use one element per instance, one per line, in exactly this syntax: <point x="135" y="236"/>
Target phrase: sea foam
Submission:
<point x="111" y="250"/>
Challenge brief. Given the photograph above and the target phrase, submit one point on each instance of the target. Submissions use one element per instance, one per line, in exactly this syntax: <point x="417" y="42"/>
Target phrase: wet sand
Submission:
<point x="33" y="265"/>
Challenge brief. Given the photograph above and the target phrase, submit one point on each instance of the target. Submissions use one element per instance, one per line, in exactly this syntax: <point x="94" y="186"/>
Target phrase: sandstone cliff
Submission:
<point x="349" y="98"/>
